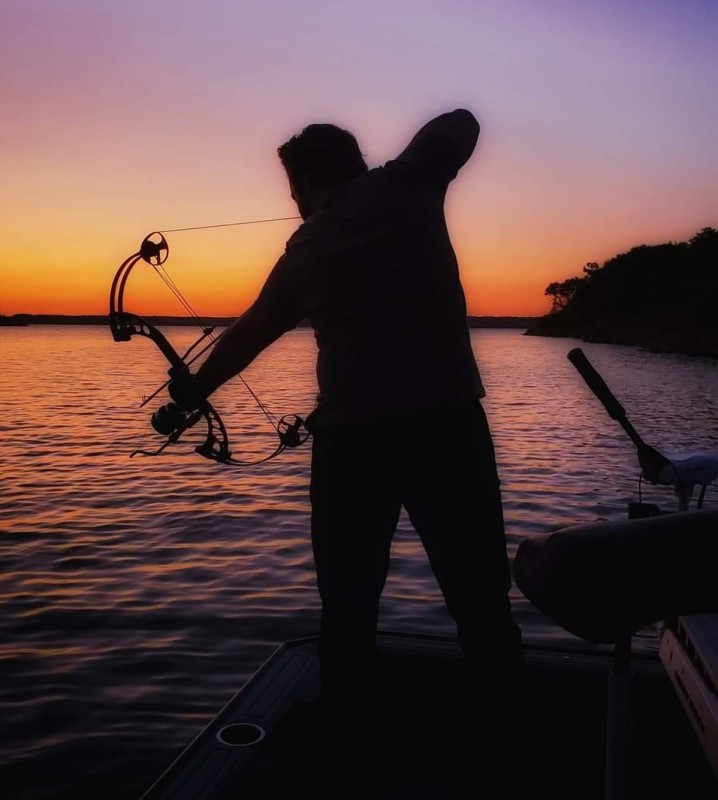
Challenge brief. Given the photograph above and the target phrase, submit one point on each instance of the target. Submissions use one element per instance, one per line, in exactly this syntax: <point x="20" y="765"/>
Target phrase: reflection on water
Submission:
<point x="137" y="595"/>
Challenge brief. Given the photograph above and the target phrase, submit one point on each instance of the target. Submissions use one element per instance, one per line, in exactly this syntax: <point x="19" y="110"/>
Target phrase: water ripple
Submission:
<point x="138" y="594"/>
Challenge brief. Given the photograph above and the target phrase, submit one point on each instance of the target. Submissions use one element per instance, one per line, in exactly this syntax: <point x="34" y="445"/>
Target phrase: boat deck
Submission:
<point x="415" y="734"/>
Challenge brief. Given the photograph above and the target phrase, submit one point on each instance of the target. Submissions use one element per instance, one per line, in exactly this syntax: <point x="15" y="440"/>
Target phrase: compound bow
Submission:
<point x="171" y="421"/>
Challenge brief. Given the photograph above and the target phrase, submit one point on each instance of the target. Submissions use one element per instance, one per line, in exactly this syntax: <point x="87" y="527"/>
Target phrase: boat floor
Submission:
<point x="414" y="732"/>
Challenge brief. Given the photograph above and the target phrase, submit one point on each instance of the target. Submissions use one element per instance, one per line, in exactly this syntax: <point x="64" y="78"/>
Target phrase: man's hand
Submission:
<point x="186" y="392"/>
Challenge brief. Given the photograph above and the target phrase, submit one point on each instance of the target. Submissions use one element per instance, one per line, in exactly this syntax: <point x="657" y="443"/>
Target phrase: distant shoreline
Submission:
<point x="101" y="319"/>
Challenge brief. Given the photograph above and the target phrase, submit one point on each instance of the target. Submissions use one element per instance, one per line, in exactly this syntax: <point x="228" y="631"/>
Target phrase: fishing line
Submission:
<point x="227" y="224"/>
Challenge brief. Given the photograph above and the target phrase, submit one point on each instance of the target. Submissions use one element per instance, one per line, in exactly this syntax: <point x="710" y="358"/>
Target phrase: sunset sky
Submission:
<point x="599" y="129"/>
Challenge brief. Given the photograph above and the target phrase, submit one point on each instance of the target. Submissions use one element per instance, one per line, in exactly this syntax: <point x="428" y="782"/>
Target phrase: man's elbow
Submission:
<point x="467" y="120"/>
<point x="463" y="131"/>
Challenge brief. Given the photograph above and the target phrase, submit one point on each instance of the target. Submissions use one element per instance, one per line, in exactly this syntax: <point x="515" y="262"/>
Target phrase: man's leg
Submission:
<point x="354" y="516"/>
<point x="453" y="499"/>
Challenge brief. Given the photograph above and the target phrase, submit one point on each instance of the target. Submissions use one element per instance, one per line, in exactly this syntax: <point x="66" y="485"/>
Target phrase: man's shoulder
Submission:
<point x="311" y="238"/>
<point x="377" y="185"/>
<point x="355" y="208"/>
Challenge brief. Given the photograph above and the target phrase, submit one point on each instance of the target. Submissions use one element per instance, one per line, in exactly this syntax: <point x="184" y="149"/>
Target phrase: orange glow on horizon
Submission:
<point x="221" y="275"/>
<point x="113" y="131"/>
<point x="220" y="272"/>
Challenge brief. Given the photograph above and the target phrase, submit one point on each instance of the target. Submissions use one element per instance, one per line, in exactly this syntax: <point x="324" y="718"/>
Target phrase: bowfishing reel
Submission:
<point x="169" y="418"/>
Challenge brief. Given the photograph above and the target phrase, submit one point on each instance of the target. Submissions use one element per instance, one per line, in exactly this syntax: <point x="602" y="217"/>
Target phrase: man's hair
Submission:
<point x="322" y="151"/>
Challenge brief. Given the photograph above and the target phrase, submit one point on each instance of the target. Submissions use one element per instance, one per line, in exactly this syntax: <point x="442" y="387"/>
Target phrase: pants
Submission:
<point x="441" y="467"/>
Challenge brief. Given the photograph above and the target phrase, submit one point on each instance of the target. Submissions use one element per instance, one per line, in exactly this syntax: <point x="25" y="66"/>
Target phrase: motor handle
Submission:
<point x="650" y="459"/>
<point x="596" y="383"/>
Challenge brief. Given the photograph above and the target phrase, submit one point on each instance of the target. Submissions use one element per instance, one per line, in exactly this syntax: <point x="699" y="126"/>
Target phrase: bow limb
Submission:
<point x="124" y="325"/>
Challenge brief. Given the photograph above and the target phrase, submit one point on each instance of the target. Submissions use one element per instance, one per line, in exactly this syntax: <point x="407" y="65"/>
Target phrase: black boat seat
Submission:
<point x="605" y="581"/>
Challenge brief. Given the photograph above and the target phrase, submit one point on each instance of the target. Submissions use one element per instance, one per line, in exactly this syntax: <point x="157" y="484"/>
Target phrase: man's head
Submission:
<point x="319" y="158"/>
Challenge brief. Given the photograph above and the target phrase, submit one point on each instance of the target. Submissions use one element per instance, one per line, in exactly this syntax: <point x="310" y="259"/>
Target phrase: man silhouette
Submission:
<point x="399" y="420"/>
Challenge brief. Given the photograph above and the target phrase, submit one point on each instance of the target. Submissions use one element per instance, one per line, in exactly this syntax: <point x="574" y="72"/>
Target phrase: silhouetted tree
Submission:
<point x="665" y="291"/>
<point x="562" y="294"/>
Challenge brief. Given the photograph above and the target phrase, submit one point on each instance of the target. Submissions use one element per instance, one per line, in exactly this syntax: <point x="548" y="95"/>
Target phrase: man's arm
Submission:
<point x="439" y="150"/>
<point x="274" y="312"/>
<point x="236" y="348"/>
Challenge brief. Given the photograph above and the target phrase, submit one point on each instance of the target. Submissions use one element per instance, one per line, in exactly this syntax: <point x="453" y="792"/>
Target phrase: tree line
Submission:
<point x="661" y="296"/>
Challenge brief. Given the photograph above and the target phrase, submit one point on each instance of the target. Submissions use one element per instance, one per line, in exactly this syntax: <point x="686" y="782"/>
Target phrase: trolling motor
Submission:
<point x="683" y="474"/>
<point x="606" y="581"/>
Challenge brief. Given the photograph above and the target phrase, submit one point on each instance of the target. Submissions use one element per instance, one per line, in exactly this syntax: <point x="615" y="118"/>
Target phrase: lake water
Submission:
<point x="139" y="594"/>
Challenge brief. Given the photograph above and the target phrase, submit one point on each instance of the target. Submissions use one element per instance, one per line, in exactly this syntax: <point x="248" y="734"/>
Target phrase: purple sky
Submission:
<point x="599" y="130"/>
